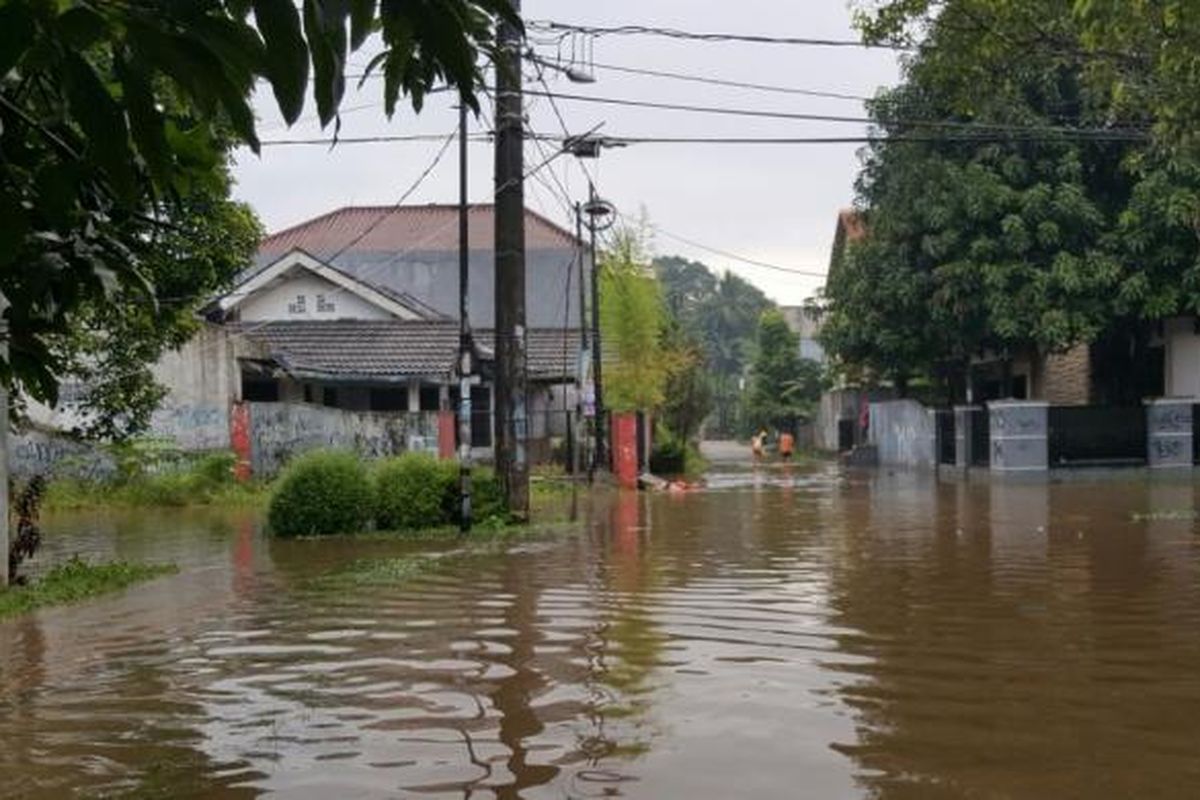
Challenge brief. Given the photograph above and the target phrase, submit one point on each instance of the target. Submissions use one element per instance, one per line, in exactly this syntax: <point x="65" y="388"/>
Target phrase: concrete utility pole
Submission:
<point x="5" y="578"/>
<point x="465" y="355"/>
<point x="511" y="422"/>
<point x="600" y="453"/>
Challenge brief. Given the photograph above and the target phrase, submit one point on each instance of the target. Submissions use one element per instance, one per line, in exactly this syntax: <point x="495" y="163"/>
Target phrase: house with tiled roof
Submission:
<point x="345" y="332"/>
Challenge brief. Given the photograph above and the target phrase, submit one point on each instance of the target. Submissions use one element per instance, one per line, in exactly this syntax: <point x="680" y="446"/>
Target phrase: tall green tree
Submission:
<point x="115" y="116"/>
<point x="1014" y="203"/>
<point x="633" y="321"/>
<point x="784" y="388"/>
<point x="721" y="314"/>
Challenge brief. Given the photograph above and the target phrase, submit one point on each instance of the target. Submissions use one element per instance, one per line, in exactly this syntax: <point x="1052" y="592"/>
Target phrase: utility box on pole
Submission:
<point x="512" y="464"/>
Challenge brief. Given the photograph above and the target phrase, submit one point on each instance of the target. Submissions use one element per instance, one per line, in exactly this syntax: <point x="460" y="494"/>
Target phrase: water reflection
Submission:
<point x="789" y="632"/>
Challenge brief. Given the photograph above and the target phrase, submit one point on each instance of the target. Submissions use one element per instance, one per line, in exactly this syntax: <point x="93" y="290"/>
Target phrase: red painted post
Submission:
<point x="625" y="449"/>
<point x="239" y="440"/>
<point x="447" y="432"/>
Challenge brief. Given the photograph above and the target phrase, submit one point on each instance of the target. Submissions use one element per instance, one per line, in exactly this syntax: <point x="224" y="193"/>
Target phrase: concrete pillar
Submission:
<point x="963" y="419"/>
<point x="1019" y="435"/>
<point x="1169" y="433"/>
<point x="414" y="396"/>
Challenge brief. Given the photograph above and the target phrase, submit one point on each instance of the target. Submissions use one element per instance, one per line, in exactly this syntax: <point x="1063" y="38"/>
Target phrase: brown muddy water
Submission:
<point x="802" y="634"/>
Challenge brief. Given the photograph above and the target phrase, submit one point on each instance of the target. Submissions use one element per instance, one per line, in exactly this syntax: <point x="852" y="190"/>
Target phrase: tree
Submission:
<point x="688" y="391"/>
<point x="114" y="117"/>
<point x="721" y="314"/>
<point x="783" y="387"/>
<point x="632" y="322"/>
<point x="1026" y="217"/>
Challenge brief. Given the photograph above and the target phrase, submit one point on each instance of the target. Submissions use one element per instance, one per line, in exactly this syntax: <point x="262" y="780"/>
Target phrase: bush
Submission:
<point x="321" y="492"/>
<point x="216" y="468"/>
<point x="669" y="457"/>
<point x="487" y="498"/>
<point x="415" y="490"/>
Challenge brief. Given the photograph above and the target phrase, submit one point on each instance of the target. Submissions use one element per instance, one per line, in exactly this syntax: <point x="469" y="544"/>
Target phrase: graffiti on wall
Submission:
<point x="279" y="431"/>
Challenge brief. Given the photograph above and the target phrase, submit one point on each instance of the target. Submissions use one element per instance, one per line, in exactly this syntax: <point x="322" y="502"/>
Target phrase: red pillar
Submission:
<point x="446" y="434"/>
<point x="239" y="439"/>
<point x="625" y="449"/>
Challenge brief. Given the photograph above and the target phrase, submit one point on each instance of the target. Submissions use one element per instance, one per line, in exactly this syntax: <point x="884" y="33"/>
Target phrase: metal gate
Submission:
<point x="1082" y="435"/>
<point x="946" y="446"/>
<point x="981" y="437"/>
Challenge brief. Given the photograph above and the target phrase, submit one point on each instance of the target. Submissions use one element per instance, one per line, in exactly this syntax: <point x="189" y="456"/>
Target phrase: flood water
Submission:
<point x="802" y="633"/>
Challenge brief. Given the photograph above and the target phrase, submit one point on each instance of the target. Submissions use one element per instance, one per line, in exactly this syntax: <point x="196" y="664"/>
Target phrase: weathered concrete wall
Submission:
<point x="1019" y="436"/>
<point x="279" y="431"/>
<point x="904" y="434"/>
<point x="1169" y="433"/>
<point x="38" y="452"/>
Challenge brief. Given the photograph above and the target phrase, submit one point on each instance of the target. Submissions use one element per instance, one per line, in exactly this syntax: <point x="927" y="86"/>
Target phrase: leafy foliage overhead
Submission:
<point x="114" y="115"/>
<point x="1027" y="242"/>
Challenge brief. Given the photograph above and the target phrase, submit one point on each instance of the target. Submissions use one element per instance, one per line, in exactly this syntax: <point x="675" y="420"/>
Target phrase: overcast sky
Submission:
<point x="770" y="203"/>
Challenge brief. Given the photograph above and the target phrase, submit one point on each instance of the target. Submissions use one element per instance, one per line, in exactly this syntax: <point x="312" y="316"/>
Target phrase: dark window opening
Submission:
<point x="298" y="307"/>
<point x="389" y="399"/>
<point x="310" y="393"/>
<point x="431" y="398"/>
<point x="329" y="397"/>
<point x="1020" y="387"/>
<point x="260" y="390"/>
<point x="481" y="416"/>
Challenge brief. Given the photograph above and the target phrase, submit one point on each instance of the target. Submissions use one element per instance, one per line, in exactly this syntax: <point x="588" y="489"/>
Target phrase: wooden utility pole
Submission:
<point x="511" y="421"/>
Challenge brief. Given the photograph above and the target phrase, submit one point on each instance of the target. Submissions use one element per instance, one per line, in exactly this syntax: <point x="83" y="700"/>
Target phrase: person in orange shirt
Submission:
<point x="787" y="443"/>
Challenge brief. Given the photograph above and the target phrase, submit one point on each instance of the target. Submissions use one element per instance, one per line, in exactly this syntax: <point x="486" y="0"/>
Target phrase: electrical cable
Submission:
<point x="564" y="29"/>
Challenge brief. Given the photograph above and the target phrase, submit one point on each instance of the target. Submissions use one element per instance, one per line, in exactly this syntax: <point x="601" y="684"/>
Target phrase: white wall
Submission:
<point x="1183" y="358"/>
<point x="273" y="302"/>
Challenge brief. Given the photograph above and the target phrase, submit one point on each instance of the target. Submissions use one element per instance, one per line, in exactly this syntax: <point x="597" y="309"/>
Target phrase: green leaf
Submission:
<point x="325" y="26"/>
<point x="16" y="35"/>
<point x="12" y="232"/>
<point x="146" y="122"/>
<point x="103" y="124"/>
<point x="81" y="27"/>
<point x="287" y="54"/>
<point x="362" y="21"/>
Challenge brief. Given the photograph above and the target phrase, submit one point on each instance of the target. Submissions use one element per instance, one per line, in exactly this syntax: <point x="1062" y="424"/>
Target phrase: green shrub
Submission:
<point x="415" y="490"/>
<point x="321" y="492"/>
<point x="216" y="469"/>
<point x="487" y="498"/>
<point x="669" y="457"/>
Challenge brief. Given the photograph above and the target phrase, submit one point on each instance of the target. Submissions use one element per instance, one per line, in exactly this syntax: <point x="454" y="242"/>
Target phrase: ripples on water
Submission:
<point x="787" y="633"/>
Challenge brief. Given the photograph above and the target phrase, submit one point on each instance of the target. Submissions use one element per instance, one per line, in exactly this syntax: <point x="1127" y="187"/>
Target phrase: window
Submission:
<point x="430" y="398"/>
<point x="257" y="389"/>
<point x="310" y="393"/>
<point x="330" y="396"/>
<point x="299" y="306"/>
<point x="389" y="399"/>
<point x="481" y="416"/>
<point x="325" y="306"/>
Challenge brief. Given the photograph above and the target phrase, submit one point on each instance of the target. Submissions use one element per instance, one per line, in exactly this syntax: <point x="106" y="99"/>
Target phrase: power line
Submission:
<point x="836" y="118"/>
<point x="622" y="141"/>
<point x="712" y="81"/>
<point x="735" y="257"/>
<point x="565" y="29"/>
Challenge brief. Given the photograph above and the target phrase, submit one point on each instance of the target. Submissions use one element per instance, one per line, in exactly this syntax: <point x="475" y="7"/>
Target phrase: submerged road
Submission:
<point x="792" y="632"/>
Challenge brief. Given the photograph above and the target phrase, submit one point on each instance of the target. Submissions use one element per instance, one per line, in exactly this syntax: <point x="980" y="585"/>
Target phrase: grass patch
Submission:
<point x="155" y="491"/>
<point x="77" y="580"/>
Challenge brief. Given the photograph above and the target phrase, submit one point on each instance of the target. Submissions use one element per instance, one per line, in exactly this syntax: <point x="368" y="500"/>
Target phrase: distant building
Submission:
<point x="806" y="325"/>
<point x="357" y="311"/>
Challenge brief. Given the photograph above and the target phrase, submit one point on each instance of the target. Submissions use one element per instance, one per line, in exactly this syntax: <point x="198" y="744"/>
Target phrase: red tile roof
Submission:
<point x="428" y="227"/>
<point x="852" y="223"/>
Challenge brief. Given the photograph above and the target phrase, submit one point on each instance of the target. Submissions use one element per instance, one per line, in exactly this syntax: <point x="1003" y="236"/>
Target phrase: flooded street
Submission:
<point x="788" y="633"/>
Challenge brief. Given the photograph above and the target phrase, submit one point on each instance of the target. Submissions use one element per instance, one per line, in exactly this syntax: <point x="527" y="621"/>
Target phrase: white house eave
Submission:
<point x="298" y="258"/>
